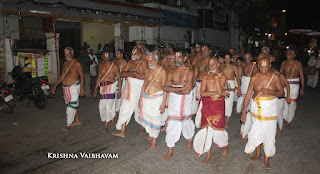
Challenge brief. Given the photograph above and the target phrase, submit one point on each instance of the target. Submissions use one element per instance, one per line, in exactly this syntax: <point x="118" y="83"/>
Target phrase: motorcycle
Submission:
<point x="26" y="87"/>
<point x="7" y="100"/>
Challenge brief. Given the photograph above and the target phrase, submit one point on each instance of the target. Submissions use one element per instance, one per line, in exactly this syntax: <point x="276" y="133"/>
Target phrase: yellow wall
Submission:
<point x="95" y="33"/>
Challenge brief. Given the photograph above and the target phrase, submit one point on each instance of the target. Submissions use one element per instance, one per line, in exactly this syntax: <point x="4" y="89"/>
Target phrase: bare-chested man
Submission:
<point x="200" y="68"/>
<point x="121" y="63"/>
<point x="179" y="85"/>
<point x="108" y="72"/>
<point x="249" y="70"/>
<point x="197" y="56"/>
<point x="134" y="74"/>
<point x="212" y="122"/>
<point x="233" y="55"/>
<point x="153" y="99"/>
<point x="171" y="65"/>
<point x="72" y="87"/>
<point x="231" y="72"/>
<point x="281" y="100"/>
<point x="239" y="64"/>
<point x="292" y="70"/>
<point x="143" y="51"/>
<point x="266" y="88"/>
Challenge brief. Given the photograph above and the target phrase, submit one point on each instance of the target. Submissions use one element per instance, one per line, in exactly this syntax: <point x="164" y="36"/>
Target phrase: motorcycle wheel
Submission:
<point x="41" y="100"/>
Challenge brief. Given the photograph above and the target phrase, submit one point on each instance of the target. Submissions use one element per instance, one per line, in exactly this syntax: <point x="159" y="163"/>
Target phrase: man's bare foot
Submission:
<point x="189" y="146"/>
<point x="76" y="123"/>
<point x="205" y="161"/>
<point x="166" y="157"/>
<point x="104" y="130"/>
<point x="153" y="146"/>
<point x="267" y="165"/>
<point x="119" y="135"/>
<point x="288" y="126"/>
<point x="225" y="153"/>
<point x="253" y="159"/>
<point x="113" y="122"/>
<point x="142" y="130"/>
<point x="66" y="129"/>
<point x="150" y="138"/>
<point x="244" y="139"/>
<point x="280" y="132"/>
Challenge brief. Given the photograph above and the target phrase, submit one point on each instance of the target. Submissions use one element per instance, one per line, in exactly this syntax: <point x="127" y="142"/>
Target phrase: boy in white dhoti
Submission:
<point x="292" y="70"/>
<point x="231" y="71"/>
<point x="72" y="87"/>
<point x="134" y="73"/>
<point x="212" y="121"/>
<point x="267" y="87"/>
<point x="179" y="86"/>
<point x="108" y="72"/>
<point x="153" y="99"/>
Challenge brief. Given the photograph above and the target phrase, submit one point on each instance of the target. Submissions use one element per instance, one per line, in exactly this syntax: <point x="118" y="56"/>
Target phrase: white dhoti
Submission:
<point x="290" y="109"/>
<point x="150" y="116"/>
<point x="179" y="118"/>
<point x="229" y="86"/>
<point x="107" y="101"/>
<point x="245" y="81"/>
<point x="130" y="102"/>
<point x="281" y="102"/>
<point x="313" y="81"/>
<point x="71" y="97"/>
<point x="196" y="97"/>
<point x="264" y="125"/>
<point x="245" y="128"/>
<point x="236" y="88"/>
<point x="165" y="113"/>
<point x="203" y="140"/>
<point x="123" y="88"/>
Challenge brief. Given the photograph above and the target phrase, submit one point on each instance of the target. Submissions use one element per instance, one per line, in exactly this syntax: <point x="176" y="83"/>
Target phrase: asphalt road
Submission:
<point x="29" y="134"/>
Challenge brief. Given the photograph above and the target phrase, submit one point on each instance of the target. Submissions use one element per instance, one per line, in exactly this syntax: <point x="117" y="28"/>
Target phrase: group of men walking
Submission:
<point x="163" y="91"/>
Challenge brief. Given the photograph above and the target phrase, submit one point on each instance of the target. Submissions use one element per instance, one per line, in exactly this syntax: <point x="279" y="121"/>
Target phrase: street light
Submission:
<point x="283" y="11"/>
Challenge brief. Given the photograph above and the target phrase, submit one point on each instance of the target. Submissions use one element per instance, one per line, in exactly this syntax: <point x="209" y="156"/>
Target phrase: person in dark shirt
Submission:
<point x="85" y="62"/>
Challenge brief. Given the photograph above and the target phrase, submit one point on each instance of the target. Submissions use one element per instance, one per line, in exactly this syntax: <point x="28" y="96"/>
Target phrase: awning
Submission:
<point x="83" y="10"/>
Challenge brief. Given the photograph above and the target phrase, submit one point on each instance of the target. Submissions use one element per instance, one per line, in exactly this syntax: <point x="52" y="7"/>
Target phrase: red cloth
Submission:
<point x="213" y="113"/>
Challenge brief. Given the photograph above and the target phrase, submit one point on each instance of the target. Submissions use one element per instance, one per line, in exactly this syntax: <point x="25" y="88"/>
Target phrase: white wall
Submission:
<point x="168" y="34"/>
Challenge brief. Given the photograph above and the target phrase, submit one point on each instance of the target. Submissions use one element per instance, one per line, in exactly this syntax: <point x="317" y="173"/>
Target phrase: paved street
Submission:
<point x="29" y="134"/>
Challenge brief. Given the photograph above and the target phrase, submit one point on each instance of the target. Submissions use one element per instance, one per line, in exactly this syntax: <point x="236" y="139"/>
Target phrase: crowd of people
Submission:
<point x="179" y="90"/>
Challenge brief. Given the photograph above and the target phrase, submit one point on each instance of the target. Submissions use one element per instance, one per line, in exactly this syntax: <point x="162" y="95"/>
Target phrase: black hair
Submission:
<point x="181" y="51"/>
<point x="121" y="51"/>
<point x="220" y="54"/>
<point x="275" y="66"/>
<point x="240" y="58"/>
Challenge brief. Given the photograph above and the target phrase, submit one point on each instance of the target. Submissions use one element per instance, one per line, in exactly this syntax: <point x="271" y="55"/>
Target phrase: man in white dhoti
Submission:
<point x="179" y="85"/>
<point x="153" y="99"/>
<point x="212" y="121"/>
<point x="200" y="69"/>
<point x="231" y="71"/>
<point x="292" y="70"/>
<point x="134" y="73"/>
<point x="266" y="87"/>
<point x="121" y="63"/>
<point x="281" y="100"/>
<point x="72" y="87"/>
<point x="108" y="72"/>
<point x="249" y="69"/>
